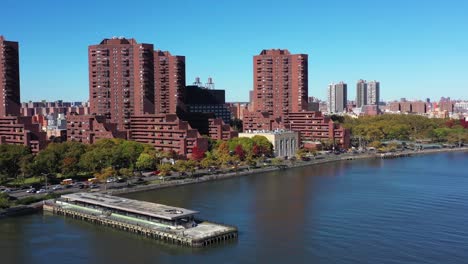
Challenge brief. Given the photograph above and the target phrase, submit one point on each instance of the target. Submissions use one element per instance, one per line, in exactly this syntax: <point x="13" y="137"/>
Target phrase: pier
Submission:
<point x="166" y="223"/>
<point x="394" y="155"/>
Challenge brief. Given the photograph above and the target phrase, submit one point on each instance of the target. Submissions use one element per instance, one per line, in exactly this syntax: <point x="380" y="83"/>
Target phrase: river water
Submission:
<point x="407" y="210"/>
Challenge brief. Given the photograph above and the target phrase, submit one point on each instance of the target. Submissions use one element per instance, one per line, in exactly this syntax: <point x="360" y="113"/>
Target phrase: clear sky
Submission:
<point x="415" y="48"/>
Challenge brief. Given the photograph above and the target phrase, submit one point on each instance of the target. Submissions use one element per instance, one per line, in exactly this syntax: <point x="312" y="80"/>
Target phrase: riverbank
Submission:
<point x="26" y="209"/>
<point x="297" y="164"/>
<point x="20" y="210"/>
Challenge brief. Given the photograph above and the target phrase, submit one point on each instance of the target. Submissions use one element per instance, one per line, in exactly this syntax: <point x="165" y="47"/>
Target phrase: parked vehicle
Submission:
<point x="32" y="190"/>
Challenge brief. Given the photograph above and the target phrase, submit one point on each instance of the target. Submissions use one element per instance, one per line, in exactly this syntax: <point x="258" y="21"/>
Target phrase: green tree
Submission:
<point x="146" y="161"/>
<point x="375" y="144"/>
<point x="277" y="161"/>
<point x="165" y="169"/>
<point x="104" y="174"/>
<point x="127" y="174"/>
<point x="208" y="162"/>
<point x="10" y="159"/>
<point x="301" y="153"/>
<point x="4" y="201"/>
<point x="266" y="148"/>
<point x="181" y="166"/>
<point x="191" y="166"/>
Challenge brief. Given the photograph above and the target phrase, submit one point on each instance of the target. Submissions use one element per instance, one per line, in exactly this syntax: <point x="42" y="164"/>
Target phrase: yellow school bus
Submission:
<point x="93" y="180"/>
<point x="66" y="182"/>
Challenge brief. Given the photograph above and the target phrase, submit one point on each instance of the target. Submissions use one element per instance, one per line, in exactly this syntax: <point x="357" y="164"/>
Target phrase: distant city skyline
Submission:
<point x="415" y="51"/>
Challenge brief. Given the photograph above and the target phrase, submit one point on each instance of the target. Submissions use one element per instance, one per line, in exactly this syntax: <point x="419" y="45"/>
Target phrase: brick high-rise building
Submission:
<point x="280" y="82"/>
<point x="337" y="97"/>
<point x="9" y="78"/>
<point x="121" y="79"/>
<point x="361" y="93"/>
<point x="169" y="82"/>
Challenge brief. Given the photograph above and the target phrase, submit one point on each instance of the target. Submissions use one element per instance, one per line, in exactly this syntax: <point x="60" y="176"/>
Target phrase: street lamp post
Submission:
<point x="45" y="177"/>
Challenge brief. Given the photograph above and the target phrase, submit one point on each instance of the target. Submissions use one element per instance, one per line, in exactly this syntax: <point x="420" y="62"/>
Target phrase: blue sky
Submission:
<point x="416" y="49"/>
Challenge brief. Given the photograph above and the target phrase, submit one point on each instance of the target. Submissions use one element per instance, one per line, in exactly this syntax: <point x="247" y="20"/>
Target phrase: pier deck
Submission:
<point x="177" y="230"/>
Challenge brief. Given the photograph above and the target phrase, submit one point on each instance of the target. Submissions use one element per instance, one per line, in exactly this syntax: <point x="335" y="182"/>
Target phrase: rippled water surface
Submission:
<point x="409" y="210"/>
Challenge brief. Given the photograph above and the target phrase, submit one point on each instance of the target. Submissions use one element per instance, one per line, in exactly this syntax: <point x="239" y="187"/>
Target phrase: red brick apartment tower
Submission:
<point x="9" y="78"/>
<point x="280" y="82"/>
<point x="169" y="82"/>
<point x="121" y="79"/>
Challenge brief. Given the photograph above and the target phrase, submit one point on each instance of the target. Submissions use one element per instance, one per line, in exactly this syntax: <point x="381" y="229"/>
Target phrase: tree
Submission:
<point x="197" y="154"/>
<point x="208" y="162"/>
<point x="4" y="201"/>
<point x="26" y="167"/>
<point x="126" y="173"/>
<point x="181" y="166"/>
<point x="276" y="162"/>
<point x="265" y="146"/>
<point x="375" y="144"/>
<point x="251" y="162"/>
<point x="191" y="166"/>
<point x="240" y="153"/>
<point x="104" y="174"/>
<point x="165" y="169"/>
<point x="256" y="151"/>
<point x="146" y="161"/>
<point x="301" y="153"/>
<point x="10" y="158"/>
<point x="236" y="124"/>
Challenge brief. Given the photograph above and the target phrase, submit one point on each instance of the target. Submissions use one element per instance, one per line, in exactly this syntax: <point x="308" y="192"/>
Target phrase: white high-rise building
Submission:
<point x="373" y="93"/>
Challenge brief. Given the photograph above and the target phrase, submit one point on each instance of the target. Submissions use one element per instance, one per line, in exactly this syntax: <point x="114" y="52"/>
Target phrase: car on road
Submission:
<point x="5" y="190"/>
<point x="111" y="179"/>
<point x="57" y="187"/>
<point x="42" y="191"/>
<point x="31" y="190"/>
<point x="93" y="186"/>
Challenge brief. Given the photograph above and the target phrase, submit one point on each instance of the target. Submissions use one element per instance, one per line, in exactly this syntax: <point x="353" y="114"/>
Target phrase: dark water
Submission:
<point x="411" y="210"/>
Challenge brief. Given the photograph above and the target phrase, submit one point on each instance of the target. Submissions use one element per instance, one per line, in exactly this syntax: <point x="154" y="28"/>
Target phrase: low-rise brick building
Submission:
<point x="255" y="121"/>
<point x="22" y="131"/>
<point x="311" y="126"/>
<point x="218" y="130"/>
<point x="90" y="128"/>
<point x="166" y="132"/>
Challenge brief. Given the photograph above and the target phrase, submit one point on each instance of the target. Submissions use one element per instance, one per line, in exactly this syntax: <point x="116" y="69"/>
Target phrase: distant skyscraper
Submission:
<point x="9" y="78"/>
<point x="337" y="97"/>
<point x="169" y="82"/>
<point x="280" y="82"/>
<point x="361" y="93"/>
<point x="373" y="93"/>
<point x="121" y="79"/>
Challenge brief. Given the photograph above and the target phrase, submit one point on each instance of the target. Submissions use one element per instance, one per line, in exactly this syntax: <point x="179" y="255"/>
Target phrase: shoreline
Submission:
<point x="329" y="159"/>
<point x="35" y="207"/>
